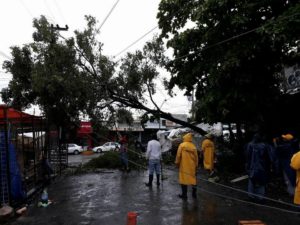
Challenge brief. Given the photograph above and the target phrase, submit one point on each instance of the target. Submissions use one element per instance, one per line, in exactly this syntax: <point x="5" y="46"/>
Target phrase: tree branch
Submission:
<point x="137" y="105"/>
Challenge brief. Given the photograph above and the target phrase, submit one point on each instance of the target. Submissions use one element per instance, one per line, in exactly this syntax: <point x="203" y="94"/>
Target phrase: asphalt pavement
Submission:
<point x="76" y="160"/>
<point x="106" y="197"/>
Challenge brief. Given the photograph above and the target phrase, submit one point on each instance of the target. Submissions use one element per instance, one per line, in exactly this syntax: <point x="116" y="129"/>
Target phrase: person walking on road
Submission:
<point x="208" y="151"/>
<point x="295" y="164"/>
<point x="260" y="157"/>
<point x="153" y="154"/>
<point x="124" y="153"/>
<point x="187" y="161"/>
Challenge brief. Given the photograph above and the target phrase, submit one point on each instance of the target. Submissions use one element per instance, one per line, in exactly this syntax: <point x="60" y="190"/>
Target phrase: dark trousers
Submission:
<point x="184" y="191"/>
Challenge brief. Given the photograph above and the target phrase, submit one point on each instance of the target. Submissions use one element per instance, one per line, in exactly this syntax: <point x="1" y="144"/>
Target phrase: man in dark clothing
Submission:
<point x="46" y="170"/>
<point x="124" y="153"/>
<point x="260" y="157"/>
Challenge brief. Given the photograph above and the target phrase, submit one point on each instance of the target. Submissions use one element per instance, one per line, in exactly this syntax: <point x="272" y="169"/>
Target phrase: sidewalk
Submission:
<point x="106" y="198"/>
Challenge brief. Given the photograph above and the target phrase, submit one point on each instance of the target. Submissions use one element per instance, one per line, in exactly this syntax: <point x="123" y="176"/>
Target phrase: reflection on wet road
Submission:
<point x="105" y="197"/>
<point x="75" y="160"/>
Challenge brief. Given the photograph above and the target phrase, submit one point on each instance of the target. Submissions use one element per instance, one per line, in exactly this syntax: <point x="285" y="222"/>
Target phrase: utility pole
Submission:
<point x="57" y="27"/>
<point x="59" y="128"/>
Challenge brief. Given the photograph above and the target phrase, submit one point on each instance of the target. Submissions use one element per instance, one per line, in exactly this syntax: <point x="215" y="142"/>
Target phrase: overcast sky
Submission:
<point x="123" y="22"/>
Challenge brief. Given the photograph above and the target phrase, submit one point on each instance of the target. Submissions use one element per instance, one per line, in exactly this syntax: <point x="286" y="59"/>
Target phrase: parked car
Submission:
<point x="108" y="146"/>
<point x="74" y="149"/>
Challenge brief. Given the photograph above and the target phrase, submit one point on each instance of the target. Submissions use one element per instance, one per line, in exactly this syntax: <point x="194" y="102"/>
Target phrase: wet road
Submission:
<point x="107" y="196"/>
<point x="76" y="160"/>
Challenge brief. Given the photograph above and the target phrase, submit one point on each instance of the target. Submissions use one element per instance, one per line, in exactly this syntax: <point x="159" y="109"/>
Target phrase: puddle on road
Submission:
<point x="209" y="211"/>
<point x="190" y="214"/>
<point x="197" y="212"/>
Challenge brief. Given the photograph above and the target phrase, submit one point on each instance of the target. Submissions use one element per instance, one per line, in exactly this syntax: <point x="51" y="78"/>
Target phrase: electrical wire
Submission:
<point x="26" y="8"/>
<point x="247" y="202"/>
<point x="207" y="47"/>
<point x="4" y="55"/>
<point x="224" y="186"/>
<point x="136" y="41"/>
<point x="214" y="183"/>
<point x="231" y="38"/>
<point x="109" y="13"/>
<point x="234" y="189"/>
<point x="60" y="12"/>
<point x="49" y="10"/>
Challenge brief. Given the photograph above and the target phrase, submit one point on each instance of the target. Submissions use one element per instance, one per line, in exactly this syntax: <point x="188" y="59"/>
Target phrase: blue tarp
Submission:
<point x="16" y="188"/>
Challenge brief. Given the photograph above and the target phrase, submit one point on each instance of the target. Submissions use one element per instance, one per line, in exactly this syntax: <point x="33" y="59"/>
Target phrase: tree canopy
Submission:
<point x="67" y="77"/>
<point x="233" y="52"/>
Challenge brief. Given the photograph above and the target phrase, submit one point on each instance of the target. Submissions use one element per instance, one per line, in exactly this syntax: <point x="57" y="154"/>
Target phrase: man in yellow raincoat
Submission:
<point x="187" y="161"/>
<point x="295" y="164"/>
<point x="208" y="150"/>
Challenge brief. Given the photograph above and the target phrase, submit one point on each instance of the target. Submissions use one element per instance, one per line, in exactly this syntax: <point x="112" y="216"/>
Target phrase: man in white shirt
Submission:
<point x="153" y="154"/>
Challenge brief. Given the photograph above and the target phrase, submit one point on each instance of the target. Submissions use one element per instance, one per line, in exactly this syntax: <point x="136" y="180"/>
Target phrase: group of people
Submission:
<point x="186" y="160"/>
<point x="261" y="158"/>
<point x="282" y="157"/>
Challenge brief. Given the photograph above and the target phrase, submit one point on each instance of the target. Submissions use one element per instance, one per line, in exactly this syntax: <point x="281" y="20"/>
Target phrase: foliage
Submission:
<point x="124" y="115"/>
<point x="169" y="159"/>
<point x="69" y="77"/>
<point x="233" y="52"/>
<point x="45" y="72"/>
<point x="111" y="160"/>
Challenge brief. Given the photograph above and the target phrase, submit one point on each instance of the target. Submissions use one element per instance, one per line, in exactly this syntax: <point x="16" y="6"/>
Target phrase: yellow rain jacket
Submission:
<point x="187" y="160"/>
<point x="208" y="148"/>
<point x="295" y="164"/>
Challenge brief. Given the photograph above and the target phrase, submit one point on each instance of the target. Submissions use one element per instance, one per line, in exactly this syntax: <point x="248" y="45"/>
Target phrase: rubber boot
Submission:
<point x="157" y="180"/>
<point x="149" y="184"/>
<point x="184" y="192"/>
<point x="194" y="192"/>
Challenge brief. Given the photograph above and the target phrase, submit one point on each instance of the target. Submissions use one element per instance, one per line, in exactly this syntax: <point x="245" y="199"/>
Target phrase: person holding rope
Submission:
<point x="187" y="161"/>
<point x="153" y="154"/>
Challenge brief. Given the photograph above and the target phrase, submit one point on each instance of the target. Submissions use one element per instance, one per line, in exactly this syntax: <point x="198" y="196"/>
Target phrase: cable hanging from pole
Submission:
<point x="109" y="13"/>
<point x="136" y="41"/>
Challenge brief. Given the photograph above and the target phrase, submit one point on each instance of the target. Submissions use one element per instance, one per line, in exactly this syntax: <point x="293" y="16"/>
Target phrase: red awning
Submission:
<point x="13" y="114"/>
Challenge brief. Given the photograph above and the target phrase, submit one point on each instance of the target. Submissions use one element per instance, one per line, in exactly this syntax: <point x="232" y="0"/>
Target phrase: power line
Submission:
<point x="136" y="41"/>
<point x="231" y="38"/>
<point x="48" y="8"/>
<point x="59" y="11"/>
<point x="4" y="55"/>
<point x="221" y="185"/>
<point x="109" y="14"/>
<point x="26" y="8"/>
<point x="250" y="203"/>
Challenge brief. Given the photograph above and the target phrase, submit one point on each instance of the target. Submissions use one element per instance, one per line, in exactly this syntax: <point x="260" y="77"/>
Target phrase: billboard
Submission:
<point x="85" y="128"/>
<point x="292" y="75"/>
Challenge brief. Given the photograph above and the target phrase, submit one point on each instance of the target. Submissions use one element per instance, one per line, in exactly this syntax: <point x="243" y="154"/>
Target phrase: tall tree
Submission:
<point x="233" y="52"/>
<point x="45" y="72"/>
<point x="67" y="77"/>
